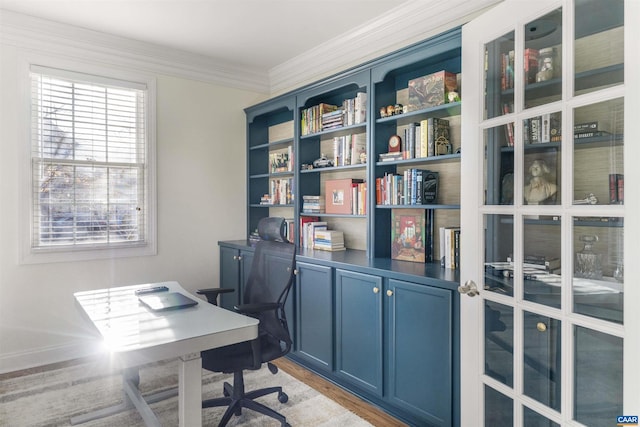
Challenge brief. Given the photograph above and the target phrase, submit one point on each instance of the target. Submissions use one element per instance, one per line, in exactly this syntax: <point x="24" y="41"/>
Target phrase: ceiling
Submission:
<point x="258" y="34"/>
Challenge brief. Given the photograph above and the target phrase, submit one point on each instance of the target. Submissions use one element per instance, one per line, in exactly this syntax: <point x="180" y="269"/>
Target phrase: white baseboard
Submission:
<point x="11" y="362"/>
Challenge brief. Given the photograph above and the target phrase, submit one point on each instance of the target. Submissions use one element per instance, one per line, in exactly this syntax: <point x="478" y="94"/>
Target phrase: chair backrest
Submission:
<point x="272" y="275"/>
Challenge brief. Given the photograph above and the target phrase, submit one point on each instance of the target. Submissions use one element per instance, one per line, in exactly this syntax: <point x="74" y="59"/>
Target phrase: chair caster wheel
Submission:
<point x="282" y="397"/>
<point x="273" y="368"/>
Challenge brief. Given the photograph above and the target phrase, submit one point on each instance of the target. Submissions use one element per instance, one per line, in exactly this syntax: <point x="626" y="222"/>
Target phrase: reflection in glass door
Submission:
<point x="547" y="152"/>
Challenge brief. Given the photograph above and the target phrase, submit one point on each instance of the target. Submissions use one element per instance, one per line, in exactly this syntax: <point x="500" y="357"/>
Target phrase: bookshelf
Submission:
<point x="336" y="142"/>
<point x="390" y="82"/>
<point x="363" y="284"/>
<point x="271" y="163"/>
<point x="359" y="93"/>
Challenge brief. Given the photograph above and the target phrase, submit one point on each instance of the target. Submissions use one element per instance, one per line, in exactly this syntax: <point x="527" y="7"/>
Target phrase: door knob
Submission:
<point x="469" y="288"/>
<point x="376" y="290"/>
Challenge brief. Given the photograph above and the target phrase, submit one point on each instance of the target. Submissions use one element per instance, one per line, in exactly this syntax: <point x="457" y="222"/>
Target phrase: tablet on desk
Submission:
<point x="166" y="301"/>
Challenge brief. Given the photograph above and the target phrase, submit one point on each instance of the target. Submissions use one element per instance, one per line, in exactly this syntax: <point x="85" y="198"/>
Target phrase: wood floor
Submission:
<point x="353" y="403"/>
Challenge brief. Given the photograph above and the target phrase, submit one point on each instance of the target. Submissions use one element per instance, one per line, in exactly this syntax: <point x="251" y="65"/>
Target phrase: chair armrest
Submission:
<point x="257" y="308"/>
<point x="212" y="293"/>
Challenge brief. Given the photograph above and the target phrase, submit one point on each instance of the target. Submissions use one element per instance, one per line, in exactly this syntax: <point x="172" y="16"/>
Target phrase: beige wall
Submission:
<point x="200" y="199"/>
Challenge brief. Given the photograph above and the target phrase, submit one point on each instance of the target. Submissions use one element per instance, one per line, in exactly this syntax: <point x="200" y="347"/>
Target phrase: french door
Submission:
<point x="550" y="323"/>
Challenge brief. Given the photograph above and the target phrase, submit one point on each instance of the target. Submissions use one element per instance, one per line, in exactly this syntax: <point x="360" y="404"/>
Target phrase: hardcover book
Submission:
<point x="408" y="235"/>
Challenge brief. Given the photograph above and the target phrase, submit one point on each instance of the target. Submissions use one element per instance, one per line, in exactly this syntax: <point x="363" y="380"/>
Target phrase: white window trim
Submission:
<point x="29" y="255"/>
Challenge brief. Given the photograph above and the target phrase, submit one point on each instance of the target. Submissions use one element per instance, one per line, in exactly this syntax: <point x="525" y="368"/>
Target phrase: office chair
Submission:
<point x="265" y="293"/>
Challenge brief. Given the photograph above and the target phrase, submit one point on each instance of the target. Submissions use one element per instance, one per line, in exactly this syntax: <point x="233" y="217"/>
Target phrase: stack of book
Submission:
<point x="541" y="262"/>
<point x="333" y="119"/>
<point x="391" y="157"/>
<point x="328" y="240"/>
<point x="587" y="130"/>
<point x="312" y="204"/>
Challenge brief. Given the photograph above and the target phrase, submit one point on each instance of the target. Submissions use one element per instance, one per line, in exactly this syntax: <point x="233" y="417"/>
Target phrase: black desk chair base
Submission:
<point x="236" y="398"/>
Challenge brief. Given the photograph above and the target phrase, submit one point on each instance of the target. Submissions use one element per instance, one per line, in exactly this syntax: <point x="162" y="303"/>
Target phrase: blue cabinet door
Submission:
<point x="234" y="270"/>
<point x="314" y="296"/>
<point x="229" y="276"/>
<point x="419" y="343"/>
<point x="359" y="330"/>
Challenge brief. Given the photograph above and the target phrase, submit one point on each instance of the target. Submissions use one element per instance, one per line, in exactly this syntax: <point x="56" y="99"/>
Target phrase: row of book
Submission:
<point x="542" y="129"/>
<point x="616" y="188"/>
<point x="548" y="128"/>
<point x="328" y="116"/>
<point x="428" y="138"/>
<point x="507" y="65"/>
<point x="450" y="247"/>
<point x="349" y="149"/>
<point x="413" y="187"/>
<point x="280" y="192"/>
<point x="359" y="198"/>
<point x="281" y="161"/>
<point x="314" y="234"/>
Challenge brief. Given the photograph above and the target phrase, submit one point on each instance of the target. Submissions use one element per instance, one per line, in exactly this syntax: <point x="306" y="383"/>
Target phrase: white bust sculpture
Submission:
<point x="538" y="189"/>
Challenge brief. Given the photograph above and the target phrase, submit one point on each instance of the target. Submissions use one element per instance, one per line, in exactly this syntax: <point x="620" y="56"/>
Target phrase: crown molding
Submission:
<point x="28" y="32"/>
<point x="409" y="23"/>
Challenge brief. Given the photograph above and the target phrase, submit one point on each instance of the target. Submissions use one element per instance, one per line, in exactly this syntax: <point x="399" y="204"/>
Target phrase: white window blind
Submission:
<point x="88" y="161"/>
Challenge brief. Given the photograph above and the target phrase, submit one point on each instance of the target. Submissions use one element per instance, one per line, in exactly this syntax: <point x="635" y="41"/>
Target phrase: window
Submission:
<point x="89" y="162"/>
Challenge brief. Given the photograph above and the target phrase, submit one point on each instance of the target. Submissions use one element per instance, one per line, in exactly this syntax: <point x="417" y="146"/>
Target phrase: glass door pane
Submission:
<point x="498" y="165"/>
<point x="542" y="359"/>
<point x="599" y="44"/>
<point x="598" y="377"/>
<point x="542" y="255"/>
<point x="499" y="76"/>
<point x="542" y="59"/>
<point x="498" y="409"/>
<point x="598" y="153"/>
<point x="498" y="343"/>
<point x="498" y="255"/>
<point x="598" y="280"/>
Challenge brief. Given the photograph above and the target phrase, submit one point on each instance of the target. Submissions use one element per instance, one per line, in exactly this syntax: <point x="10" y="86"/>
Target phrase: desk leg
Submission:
<point x="131" y="397"/>
<point x="190" y="390"/>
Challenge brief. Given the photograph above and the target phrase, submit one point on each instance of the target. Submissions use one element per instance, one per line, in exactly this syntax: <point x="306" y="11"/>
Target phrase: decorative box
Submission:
<point x="430" y="91"/>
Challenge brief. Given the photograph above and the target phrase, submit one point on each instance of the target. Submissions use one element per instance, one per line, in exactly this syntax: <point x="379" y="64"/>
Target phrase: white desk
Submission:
<point x="135" y="335"/>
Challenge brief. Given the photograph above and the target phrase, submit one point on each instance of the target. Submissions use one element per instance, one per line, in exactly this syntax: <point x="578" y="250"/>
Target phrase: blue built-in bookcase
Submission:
<point x="385" y="329"/>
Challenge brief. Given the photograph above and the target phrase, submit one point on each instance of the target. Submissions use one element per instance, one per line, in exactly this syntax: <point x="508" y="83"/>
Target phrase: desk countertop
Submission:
<point x="139" y="335"/>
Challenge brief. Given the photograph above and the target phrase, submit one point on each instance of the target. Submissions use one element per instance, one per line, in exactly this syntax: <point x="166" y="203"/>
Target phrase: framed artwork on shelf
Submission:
<point x="408" y="234"/>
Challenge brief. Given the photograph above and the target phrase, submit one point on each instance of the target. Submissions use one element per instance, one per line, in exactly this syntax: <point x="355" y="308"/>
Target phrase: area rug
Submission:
<point x="52" y="397"/>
